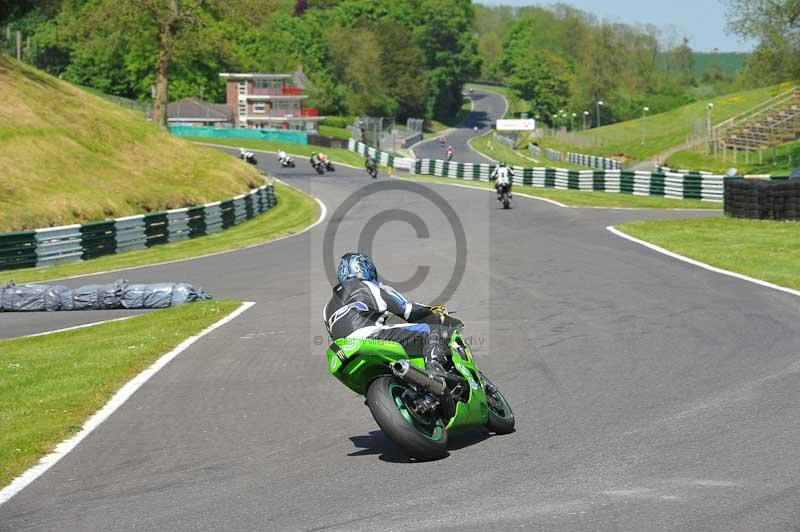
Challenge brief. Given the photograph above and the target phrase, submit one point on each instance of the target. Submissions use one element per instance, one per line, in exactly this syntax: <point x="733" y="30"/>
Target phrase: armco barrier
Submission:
<point x="593" y="161"/>
<point x="504" y="140"/>
<point x="670" y="185"/>
<point x="667" y="184"/>
<point x="553" y="154"/>
<point x="72" y="243"/>
<point x="386" y="159"/>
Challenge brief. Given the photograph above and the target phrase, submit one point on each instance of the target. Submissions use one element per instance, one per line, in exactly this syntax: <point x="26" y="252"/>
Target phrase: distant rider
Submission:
<point x="245" y="155"/>
<point x="502" y="175"/>
<point x="361" y="304"/>
<point x="442" y="140"/>
<point x="370" y="163"/>
<point x="281" y="156"/>
<point x="314" y="159"/>
<point x="450" y="151"/>
<point x="323" y="158"/>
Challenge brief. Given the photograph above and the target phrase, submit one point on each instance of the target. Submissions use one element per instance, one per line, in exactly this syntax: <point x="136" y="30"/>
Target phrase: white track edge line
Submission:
<point x="117" y="400"/>
<point x="703" y="265"/>
<point x="323" y="213"/>
<point x="472" y="187"/>
<point x="74" y="327"/>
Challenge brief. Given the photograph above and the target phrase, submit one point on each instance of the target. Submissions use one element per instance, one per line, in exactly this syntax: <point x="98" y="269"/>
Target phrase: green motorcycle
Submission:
<point x="414" y="409"/>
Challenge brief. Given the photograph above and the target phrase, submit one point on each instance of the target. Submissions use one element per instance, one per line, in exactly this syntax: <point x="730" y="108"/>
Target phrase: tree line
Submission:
<point x="405" y="58"/>
<point x="563" y="61"/>
<point x="375" y="57"/>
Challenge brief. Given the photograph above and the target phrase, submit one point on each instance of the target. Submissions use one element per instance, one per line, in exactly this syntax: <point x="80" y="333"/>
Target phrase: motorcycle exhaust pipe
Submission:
<point x="418" y="377"/>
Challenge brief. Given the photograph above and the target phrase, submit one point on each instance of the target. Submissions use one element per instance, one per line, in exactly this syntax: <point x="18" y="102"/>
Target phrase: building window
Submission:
<point x="242" y="108"/>
<point x="243" y="87"/>
<point x="267" y="83"/>
<point x="259" y="107"/>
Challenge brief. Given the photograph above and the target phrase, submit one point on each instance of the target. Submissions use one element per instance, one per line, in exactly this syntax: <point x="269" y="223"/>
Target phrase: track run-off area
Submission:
<point x="650" y="394"/>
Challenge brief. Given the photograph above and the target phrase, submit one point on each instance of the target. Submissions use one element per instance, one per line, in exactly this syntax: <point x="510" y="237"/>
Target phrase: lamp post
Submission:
<point x="709" y="108"/>
<point x="585" y="118"/>
<point x="597" y="105"/>
<point x="645" y="110"/>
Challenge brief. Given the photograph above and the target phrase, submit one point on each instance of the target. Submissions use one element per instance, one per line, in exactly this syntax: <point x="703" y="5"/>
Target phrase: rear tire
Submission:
<point x="506" y="201"/>
<point x="423" y="441"/>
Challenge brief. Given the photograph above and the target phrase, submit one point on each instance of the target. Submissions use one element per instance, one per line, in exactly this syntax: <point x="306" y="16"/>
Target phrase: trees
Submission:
<point x="776" y="25"/>
<point x="121" y="46"/>
<point x="543" y="78"/>
<point x="445" y="36"/>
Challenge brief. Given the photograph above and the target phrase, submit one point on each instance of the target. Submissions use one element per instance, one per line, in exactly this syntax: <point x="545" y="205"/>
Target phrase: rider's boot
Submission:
<point x="436" y="357"/>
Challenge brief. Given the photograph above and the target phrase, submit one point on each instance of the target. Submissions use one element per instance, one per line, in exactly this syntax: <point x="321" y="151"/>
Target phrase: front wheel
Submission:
<point x="421" y="436"/>
<point x="501" y="418"/>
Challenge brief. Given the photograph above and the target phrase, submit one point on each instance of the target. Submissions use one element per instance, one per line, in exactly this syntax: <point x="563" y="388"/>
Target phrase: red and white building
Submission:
<point x="269" y="101"/>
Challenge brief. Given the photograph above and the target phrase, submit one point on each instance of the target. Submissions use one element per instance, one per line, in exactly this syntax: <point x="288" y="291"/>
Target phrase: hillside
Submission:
<point x="728" y="62"/>
<point x="67" y="156"/>
<point x="663" y="130"/>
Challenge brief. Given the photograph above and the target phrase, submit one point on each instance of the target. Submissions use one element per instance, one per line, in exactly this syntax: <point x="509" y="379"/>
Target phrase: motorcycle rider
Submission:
<point x="323" y="159"/>
<point x="244" y="155"/>
<point x="370" y="163"/>
<point x="501" y="174"/>
<point x="361" y="304"/>
<point x="314" y="159"/>
<point x="450" y="151"/>
<point x="281" y="156"/>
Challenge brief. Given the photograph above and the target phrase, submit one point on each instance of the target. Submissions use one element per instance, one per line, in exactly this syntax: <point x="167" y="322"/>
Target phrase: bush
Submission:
<point x="338" y="121"/>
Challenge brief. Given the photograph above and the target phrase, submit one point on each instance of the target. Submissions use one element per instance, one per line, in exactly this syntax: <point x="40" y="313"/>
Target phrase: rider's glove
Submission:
<point x="438" y="309"/>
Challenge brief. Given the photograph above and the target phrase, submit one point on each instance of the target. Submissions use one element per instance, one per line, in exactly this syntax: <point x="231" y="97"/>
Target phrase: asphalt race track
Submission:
<point x="650" y="394"/>
<point x="487" y="107"/>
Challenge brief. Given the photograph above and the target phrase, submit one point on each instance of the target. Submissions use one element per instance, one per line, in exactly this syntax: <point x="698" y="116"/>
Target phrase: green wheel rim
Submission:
<point x="432" y="431"/>
<point x="501" y="410"/>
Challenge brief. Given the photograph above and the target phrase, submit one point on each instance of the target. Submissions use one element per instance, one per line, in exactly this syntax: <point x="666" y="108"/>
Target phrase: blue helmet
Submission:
<point x="357" y="265"/>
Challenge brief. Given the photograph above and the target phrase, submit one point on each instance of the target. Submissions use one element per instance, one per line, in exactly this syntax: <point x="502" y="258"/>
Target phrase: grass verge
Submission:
<point x="295" y="211"/>
<point x="662" y="130"/>
<point x="334" y="132"/>
<point x="488" y="146"/>
<point x="578" y="198"/>
<point x="781" y="161"/>
<point x="50" y="385"/>
<point x="297" y="150"/>
<point x="765" y="249"/>
<point x="67" y="156"/>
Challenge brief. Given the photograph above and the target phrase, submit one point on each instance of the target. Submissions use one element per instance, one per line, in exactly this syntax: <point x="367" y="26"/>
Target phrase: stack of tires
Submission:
<point x="761" y="199"/>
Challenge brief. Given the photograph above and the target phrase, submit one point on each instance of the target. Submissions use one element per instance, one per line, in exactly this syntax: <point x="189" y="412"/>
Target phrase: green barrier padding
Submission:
<point x="278" y="135"/>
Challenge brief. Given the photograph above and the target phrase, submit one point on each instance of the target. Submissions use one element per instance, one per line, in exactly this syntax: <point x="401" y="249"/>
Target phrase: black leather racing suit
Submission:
<point x="359" y="309"/>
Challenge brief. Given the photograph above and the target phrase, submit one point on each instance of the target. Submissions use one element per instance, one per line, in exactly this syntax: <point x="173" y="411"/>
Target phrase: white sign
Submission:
<point x="523" y="124"/>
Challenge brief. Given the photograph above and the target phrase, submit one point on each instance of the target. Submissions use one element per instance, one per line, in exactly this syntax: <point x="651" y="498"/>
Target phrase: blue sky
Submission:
<point x="701" y="21"/>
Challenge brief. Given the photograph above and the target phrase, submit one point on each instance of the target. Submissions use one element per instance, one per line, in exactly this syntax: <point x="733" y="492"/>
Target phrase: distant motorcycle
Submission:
<point x="328" y="165"/>
<point x="287" y="162"/>
<point x="502" y="186"/>
<point x="247" y="156"/>
<point x="449" y="155"/>
<point x="372" y="168"/>
<point x="318" y="166"/>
